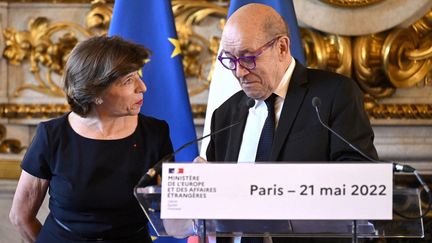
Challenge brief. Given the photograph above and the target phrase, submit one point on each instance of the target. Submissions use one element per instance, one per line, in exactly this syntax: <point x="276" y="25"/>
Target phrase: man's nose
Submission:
<point x="241" y="71"/>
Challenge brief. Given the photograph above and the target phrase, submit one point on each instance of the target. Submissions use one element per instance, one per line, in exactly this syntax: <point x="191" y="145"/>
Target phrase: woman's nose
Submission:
<point x="141" y="88"/>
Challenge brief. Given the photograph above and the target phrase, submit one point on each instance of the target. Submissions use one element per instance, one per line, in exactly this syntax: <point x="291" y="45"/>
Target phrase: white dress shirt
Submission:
<point x="255" y="122"/>
<point x="257" y="116"/>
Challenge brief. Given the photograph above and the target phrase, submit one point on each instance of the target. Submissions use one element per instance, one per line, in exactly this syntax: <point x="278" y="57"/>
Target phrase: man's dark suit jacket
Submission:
<point x="299" y="135"/>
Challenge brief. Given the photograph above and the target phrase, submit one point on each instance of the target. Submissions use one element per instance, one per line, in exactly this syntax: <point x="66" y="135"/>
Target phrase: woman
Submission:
<point x="91" y="158"/>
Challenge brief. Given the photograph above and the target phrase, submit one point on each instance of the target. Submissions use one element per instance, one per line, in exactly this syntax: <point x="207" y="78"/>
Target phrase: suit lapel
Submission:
<point x="293" y="101"/>
<point x="236" y="133"/>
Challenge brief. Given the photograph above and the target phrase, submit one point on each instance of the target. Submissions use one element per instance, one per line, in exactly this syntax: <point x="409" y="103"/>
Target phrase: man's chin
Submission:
<point x="253" y="95"/>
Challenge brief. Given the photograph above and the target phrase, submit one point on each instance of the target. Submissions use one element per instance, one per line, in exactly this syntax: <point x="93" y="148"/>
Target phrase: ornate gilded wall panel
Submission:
<point x="388" y="53"/>
<point x="3" y="62"/>
<point x="199" y="46"/>
<point x="380" y="62"/>
<point x="391" y="66"/>
<point x="46" y="45"/>
<point x="36" y="41"/>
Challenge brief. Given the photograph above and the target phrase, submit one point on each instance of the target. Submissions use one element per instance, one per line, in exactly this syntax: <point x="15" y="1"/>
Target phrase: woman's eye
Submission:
<point x="127" y="81"/>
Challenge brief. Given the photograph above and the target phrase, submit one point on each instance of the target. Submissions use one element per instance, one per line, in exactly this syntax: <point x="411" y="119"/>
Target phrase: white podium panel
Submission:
<point x="303" y="191"/>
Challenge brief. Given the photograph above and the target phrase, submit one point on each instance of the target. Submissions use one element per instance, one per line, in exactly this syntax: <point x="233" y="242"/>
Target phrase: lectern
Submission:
<point x="406" y="201"/>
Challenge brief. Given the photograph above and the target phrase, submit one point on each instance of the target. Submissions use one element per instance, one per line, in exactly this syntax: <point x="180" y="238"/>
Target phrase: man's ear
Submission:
<point x="283" y="46"/>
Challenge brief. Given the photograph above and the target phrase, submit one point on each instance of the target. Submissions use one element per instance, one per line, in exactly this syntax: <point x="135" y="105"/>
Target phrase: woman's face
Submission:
<point x="124" y="97"/>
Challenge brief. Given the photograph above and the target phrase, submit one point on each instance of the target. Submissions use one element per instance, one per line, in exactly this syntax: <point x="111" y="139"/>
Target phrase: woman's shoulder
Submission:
<point x="151" y="123"/>
<point x="58" y="121"/>
<point x="55" y="125"/>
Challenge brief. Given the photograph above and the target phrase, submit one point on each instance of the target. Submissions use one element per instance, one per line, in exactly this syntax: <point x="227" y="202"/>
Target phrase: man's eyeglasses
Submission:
<point x="247" y="62"/>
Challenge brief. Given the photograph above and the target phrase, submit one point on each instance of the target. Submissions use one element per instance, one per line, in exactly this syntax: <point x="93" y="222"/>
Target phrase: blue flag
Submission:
<point x="286" y="9"/>
<point x="151" y="23"/>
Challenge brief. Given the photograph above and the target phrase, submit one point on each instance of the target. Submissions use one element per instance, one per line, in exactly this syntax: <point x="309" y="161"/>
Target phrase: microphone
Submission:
<point x="157" y="168"/>
<point x="316" y="103"/>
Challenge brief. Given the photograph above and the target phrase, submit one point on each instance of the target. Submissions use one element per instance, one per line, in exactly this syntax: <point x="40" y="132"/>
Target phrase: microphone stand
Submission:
<point x="316" y="102"/>
<point x="157" y="168"/>
<point x="151" y="174"/>
<point x="354" y="232"/>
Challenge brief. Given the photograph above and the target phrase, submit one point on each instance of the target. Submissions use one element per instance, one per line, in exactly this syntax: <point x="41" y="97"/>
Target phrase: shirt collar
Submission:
<point x="282" y="89"/>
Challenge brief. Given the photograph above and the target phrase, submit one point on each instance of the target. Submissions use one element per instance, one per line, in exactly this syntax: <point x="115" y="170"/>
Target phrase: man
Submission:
<point x="256" y="45"/>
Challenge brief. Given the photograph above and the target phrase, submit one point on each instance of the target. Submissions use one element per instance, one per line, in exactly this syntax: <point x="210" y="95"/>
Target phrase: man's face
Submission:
<point x="259" y="82"/>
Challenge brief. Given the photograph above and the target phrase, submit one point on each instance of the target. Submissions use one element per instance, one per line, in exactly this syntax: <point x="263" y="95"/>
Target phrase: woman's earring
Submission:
<point x="98" y="101"/>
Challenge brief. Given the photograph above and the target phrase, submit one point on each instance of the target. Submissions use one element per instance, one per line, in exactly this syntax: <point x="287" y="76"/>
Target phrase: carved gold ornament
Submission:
<point x="400" y="111"/>
<point x="38" y="48"/>
<point x="407" y="54"/>
<point x="99" y="17"/>
<point x="400" y="58"/>
<point x="47" y="45"/>
<point x="381" y="63"/>
<point x="199" y="51"/>
<point x="199" y="110"/>
<point x="32" y="111"/>
<point x="25" y="111"/>
<point x="9" y="145"/>
<point x="351" y="3"/>
<point x="368" y="67"/>
<point x="330" y="52"/>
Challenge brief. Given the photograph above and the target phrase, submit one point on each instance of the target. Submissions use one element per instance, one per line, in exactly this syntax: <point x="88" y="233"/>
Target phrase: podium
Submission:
<point x="406" y="201"/>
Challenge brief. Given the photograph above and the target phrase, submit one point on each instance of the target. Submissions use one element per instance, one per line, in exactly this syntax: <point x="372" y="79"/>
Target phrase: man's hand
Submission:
<point x="200" y="159"/>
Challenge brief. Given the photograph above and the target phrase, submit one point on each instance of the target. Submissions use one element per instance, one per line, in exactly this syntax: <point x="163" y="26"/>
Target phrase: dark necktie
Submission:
<point x="264" y="148"/>
<point x="267" y="133"/>
<point x="252" y="240"/>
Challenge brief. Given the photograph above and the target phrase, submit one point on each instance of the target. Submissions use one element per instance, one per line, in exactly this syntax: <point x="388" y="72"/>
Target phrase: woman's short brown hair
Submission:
<point x="95" y="64"/>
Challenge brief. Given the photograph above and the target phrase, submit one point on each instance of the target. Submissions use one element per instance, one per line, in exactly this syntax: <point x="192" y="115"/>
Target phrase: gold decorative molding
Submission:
<point x="199" y="110"/>
<point x="351" y="3"/>
<point x="45" y="111"/>
<point x="32" y="111"/>
<point x="399" y="111"/>
<point x="10" y="169"/>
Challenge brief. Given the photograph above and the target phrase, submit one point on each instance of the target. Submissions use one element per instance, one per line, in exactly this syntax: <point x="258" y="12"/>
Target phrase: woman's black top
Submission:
<point x="91" y="181"/>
